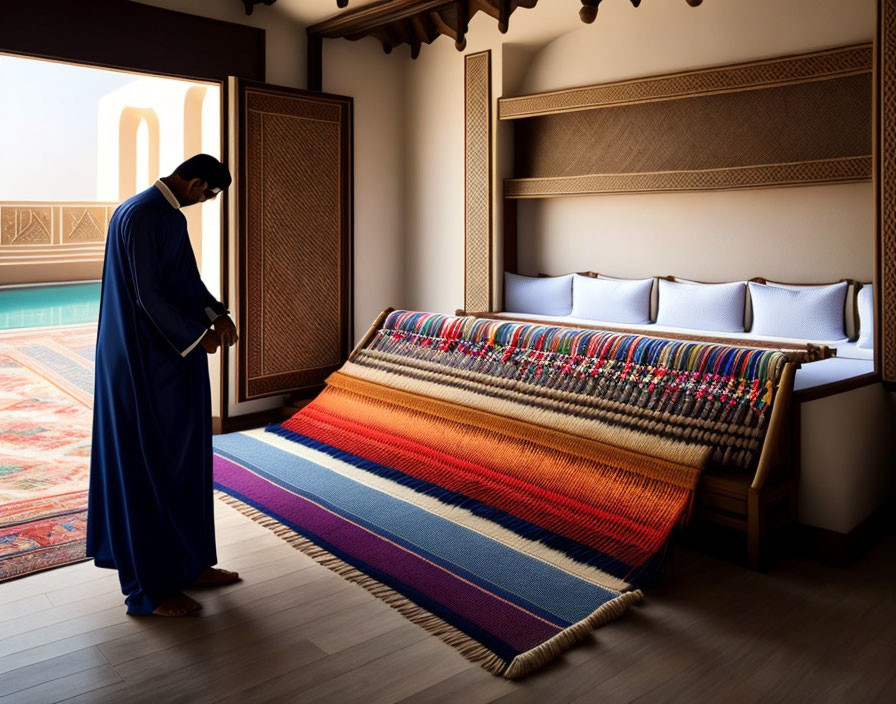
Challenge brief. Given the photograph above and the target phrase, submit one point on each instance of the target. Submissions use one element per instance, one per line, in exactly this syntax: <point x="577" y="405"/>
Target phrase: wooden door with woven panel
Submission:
<point x="293" y="160"/>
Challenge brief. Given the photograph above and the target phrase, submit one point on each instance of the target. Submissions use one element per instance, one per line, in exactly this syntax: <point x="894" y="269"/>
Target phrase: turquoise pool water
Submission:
<point x="39" y="306"/>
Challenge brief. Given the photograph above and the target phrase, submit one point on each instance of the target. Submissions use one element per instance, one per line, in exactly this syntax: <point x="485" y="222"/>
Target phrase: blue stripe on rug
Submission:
<point x="569" y="547"/>
<point x="408" y="544"/>
<point x="524" y="578"/>
<point x="492" y="642"/>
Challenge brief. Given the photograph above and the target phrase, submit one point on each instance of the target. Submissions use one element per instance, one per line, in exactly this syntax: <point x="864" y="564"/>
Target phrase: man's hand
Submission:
<point x="226" y="330"/>
<point x="210" y="342"/>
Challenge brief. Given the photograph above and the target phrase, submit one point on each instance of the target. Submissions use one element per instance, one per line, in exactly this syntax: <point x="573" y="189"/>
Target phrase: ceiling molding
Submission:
<point x="419" y="22"/>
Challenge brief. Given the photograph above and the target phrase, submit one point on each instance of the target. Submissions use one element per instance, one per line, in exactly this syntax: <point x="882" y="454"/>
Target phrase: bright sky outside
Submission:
<point x="48" y="128"/>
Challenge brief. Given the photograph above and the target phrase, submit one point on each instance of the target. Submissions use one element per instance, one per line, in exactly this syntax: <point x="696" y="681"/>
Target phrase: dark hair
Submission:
<point x="206" y="168"/>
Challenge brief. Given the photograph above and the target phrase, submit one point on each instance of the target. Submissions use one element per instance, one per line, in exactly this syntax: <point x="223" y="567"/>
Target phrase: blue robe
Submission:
<point x="150" y="511"/>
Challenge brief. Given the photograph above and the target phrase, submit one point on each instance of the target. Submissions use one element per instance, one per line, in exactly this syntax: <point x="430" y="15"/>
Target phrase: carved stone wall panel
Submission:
<point x="477" y="182"/>
<point x="26" y="225"/>
<point x="83" y="224"/>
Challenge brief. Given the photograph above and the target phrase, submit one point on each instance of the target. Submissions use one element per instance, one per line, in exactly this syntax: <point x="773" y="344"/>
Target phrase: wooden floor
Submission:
<point x="294" y="632"/>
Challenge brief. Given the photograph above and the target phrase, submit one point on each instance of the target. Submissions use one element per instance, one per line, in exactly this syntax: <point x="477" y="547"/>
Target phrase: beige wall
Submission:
<point x="800" y="235"/>
<point x="376" y="83"/>
<point x="434" y="177"/>
<point x="658" y="37"/>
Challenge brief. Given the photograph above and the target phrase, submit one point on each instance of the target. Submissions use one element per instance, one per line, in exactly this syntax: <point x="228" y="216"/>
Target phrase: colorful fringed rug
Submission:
<point x="505" y="485"/>
<point x="46" y="379"/>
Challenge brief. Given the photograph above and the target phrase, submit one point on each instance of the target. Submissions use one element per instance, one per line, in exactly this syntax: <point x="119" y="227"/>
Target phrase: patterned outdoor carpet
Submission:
<point x="507" y="486"/>
<point x="46" y="384"/>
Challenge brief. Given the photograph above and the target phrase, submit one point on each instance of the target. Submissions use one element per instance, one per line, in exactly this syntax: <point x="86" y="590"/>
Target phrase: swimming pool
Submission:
<point x="58" y="304"/>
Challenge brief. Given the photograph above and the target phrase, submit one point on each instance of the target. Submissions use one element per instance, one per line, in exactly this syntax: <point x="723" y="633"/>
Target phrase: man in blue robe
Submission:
<point x="150" y="512"/>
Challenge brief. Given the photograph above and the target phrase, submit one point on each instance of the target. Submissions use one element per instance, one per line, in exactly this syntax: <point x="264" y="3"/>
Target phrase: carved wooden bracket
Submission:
<point x="250" y="4"/>
<point x="589" y="8"/>
<point x="419" y="22"/>
<point x="415" y="22"/>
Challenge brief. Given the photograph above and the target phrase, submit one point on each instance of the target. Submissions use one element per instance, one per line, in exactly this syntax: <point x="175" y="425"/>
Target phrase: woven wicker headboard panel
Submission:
<point x="796" y="121"/>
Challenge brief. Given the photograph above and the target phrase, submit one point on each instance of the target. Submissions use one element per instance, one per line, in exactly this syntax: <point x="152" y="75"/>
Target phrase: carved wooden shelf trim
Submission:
<point x="816" y="66"/>
<point x="803" y="173"/>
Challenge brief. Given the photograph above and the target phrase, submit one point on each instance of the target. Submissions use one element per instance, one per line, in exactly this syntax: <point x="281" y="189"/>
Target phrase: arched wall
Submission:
<point x="128" y="124"/>
<point x="193" y="100"/>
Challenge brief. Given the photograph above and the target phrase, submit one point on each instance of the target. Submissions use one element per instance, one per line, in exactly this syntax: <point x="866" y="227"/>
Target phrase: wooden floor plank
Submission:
<point x="471" y="686"/>
<point x="291" y="686"/>
<point x="23" y="607"/>
<point x="62" y="666"/>
<point x="410" y="670"/>
<point x="137" y="661"/>
<point x="64" y="687"/>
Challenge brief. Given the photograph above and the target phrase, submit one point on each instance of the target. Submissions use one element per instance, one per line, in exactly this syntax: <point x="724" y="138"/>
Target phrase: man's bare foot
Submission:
<point x="178" y="605"/>
<point x="215" y="577"/>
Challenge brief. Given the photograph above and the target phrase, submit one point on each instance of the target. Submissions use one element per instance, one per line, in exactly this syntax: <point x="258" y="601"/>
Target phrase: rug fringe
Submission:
<point x="540" y="655"/>
<point x="471" y="649"/>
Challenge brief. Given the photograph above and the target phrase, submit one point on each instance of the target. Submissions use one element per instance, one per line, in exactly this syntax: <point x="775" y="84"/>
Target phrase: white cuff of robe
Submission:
<point x="190" y="348"/>
<point x="212" y="315"/>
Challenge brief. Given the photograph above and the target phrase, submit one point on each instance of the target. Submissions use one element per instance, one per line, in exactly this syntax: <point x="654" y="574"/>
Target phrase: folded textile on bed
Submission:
<point x="659" y="396"/>
<point x="547" y="467"/>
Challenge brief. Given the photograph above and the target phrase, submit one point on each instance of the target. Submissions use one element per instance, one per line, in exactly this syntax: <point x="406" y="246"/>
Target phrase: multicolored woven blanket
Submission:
<point x="507" y="485"/>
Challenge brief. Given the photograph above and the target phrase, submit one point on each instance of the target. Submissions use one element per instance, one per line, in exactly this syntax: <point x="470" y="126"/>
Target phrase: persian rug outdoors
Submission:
<point x="506" y="485"/>
<point x="46" y="384"/>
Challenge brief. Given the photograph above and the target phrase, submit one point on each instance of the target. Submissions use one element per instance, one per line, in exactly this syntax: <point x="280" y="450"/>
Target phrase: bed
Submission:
<point x="829" y="463"/>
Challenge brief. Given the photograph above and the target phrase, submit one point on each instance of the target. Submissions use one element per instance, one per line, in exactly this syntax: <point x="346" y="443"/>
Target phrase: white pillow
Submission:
<point x="654" y="293"/>
<point x="611" y="300"/>
<point x="541" y="295"/>
<point x="866" y="317"/>
<point x="805" y="313"/>
<point x="702" y="306"/>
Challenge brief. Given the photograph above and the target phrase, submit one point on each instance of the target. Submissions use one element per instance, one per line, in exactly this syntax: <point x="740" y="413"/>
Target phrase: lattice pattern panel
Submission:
<point x="797" y="174"/>
<point x="887" y="155"/>
<point x="295" y="248"/>
<point x="805" y="122"/>
<point x="478" y="178"/>
<point x="816" y="66"/>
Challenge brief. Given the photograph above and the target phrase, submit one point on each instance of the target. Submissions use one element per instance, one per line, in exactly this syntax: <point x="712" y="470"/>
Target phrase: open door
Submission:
<point x="291" y="237"/>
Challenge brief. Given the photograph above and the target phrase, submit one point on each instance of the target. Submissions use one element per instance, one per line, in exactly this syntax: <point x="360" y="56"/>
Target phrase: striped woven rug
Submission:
<point x="507" y="486"/>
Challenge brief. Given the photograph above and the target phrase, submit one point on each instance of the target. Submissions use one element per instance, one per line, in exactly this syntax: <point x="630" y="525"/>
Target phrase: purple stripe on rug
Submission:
<point x="511" y="624"/>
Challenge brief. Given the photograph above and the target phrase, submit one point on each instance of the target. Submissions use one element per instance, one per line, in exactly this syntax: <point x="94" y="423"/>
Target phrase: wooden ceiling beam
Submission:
<point x="418" y="22"/>
<point x="425" y="28"/>
<point x="369" y="17"/>
<point x="441" y="24"/>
